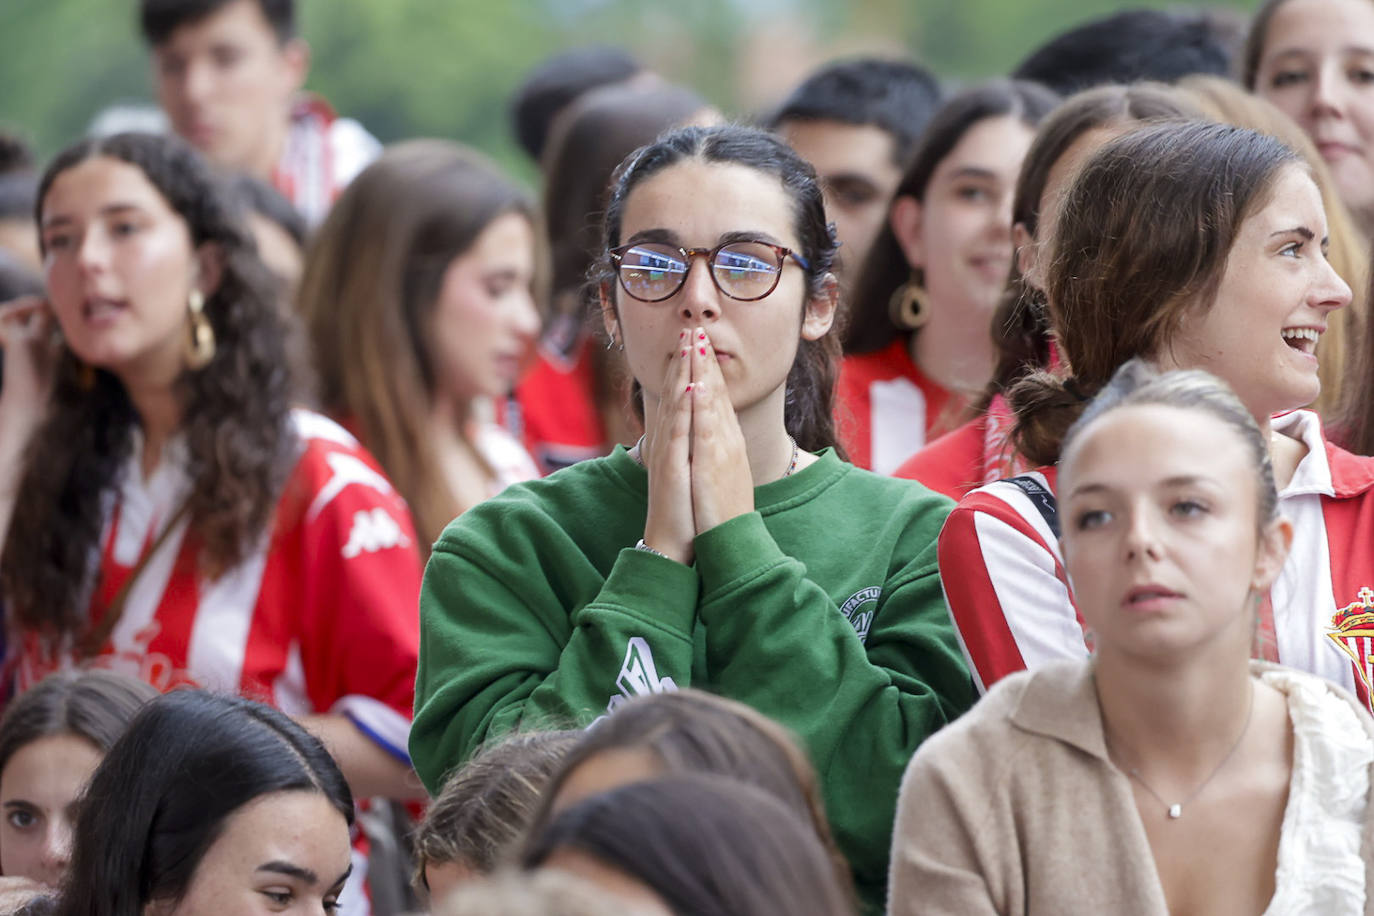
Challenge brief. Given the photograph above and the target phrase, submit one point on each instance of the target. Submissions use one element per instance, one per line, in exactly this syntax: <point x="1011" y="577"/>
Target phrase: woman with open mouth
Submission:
<point x="1211" y="258"/>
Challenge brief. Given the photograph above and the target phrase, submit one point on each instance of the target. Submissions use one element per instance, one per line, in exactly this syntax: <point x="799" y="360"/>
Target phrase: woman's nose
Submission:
<point x="698" y="299"/>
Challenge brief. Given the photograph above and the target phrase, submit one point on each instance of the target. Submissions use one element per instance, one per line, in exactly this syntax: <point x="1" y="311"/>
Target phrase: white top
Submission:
<point x="508" y="459"/>
<point x="1320" y="869"/>
<point x="1010" y="599"/>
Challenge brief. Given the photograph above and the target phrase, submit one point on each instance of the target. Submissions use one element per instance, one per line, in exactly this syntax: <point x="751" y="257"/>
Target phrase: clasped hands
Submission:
<point x="694" y="452"/>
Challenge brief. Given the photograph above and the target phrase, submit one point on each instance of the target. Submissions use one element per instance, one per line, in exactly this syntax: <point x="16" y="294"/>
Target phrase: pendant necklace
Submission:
<point x="637" y="452"/>
<point x="1175" y="810"/>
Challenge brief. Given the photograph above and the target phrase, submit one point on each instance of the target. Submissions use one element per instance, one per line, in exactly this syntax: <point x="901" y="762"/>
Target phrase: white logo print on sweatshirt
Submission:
<point x="638" y="674"/>
<point x="373" y="530"/>
<point x="858" y="609"/>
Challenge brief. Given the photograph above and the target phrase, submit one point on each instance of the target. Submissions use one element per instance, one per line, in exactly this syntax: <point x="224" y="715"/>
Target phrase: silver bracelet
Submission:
<point x="647" y="549"/>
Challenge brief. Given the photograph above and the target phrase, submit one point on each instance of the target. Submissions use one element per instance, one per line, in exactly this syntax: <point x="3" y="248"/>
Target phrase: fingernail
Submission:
<point x="682" y="334"/>
<point x="703" y="351"/>
<point x="689" y="389"/>
<point x="701" y="337"/>
<point x="684" y="352"/>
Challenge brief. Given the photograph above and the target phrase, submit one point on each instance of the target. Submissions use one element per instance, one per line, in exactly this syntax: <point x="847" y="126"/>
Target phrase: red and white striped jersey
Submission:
<point x="322" y="154"/>
<point x="886" y="408"/>
<point x="321" y="618"/>
<point x="1009" y="596"/>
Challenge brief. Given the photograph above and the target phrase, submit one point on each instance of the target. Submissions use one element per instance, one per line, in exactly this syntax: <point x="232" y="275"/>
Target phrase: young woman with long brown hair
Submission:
<point x="419" y="298"/>
<point x="1348" y="251"/>
<point x="980" y="451"/>
<point x="1313" y="59"/>
<point x="166" y="512"/>
<point x="1224" y="269"/>
<point x="918" y="347"/>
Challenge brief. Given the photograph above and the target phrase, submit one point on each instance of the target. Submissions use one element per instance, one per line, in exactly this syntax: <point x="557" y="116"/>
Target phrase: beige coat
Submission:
<point x="1016" y="809"/>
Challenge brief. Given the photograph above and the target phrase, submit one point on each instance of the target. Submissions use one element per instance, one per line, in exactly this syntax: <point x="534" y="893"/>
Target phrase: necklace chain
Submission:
<point x="1175" y="810"/>
<point x="637" y="453"/>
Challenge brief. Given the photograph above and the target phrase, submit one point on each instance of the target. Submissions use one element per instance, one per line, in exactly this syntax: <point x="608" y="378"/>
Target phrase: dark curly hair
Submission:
<point x="235" y="412"/>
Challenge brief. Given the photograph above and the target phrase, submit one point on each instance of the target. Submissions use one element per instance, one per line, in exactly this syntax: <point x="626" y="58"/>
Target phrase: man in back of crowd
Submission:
<point x="229" y="75"/>
<point x="550" y="89"/>
<point x="857" y="122"/>
<point x="1135" y="44"/>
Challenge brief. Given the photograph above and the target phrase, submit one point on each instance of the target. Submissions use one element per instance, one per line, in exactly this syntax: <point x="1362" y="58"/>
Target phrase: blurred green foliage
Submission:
<point x="446" y="68"/>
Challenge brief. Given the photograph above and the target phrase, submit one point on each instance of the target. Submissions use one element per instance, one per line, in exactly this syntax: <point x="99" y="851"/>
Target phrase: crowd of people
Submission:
<point x="914" y="498"/>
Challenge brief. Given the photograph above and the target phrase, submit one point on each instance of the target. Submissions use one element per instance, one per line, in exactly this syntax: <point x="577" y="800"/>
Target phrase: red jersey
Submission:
<point x="1013" y="607"/>
<point x="321" y="617"/>
<point x="557" y="400"/>
<point x="885" y="408"/>
<point x="970" y="456"/>
<point x="323" y="153"/>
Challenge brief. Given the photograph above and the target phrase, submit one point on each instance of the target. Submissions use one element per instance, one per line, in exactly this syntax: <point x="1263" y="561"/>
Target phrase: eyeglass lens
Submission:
<point x="741" y="270"/>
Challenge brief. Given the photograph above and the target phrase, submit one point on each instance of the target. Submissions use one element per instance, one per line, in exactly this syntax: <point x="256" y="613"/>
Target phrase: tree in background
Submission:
<point x="446" y="68"/>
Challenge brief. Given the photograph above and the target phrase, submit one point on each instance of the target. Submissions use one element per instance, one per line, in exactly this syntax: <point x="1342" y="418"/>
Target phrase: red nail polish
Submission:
<point x="701" y="337"/>
<point x="681" y="334"/>
<point x="703" y="351"/>
<point x="689" y="389"/>
<point x="684" y="352"/>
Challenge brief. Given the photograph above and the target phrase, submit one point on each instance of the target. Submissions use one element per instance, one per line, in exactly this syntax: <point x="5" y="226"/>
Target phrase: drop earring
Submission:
<point x="907" y="307"/>
<point x="200" y="346"/>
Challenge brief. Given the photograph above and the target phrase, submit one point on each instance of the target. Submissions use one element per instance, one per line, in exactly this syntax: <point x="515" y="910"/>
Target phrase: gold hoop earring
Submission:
<point x="907" y="307"/>
<point x="200" y="346"/>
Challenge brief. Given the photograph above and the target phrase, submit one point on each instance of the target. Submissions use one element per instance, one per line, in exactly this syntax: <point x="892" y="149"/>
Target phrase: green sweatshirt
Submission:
<point x="822" y="609"/>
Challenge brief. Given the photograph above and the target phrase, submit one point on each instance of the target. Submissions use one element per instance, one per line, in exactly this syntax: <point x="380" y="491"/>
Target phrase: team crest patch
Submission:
<point x="1353" y="633"/>
<point x="858" y="609"/>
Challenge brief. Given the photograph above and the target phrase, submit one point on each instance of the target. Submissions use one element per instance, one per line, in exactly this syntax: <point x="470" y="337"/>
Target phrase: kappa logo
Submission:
<point x="1353" y="633"/>
<point x="639" y="674"/>
<point x="373" y="530"/>
<point x="859" y="607"/>
<point x="345" y="470"/>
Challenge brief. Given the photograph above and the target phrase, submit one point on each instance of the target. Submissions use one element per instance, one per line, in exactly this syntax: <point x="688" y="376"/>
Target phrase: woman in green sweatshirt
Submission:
<point x="731" y="549"/>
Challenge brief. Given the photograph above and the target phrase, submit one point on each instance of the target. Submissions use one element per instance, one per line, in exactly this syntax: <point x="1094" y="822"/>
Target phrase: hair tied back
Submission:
<point x="1071" y="386"/>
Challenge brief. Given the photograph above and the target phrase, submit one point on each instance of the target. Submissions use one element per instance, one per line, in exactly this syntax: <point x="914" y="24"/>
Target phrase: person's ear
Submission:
<point x="821" y="309"/>
<point x="209" y="268"/>
<point x="609" y="319"/>
<point x="905" y="220"/>
<point x="1276" y="538"/>
<point x="295" y="55"/>
<point x="1027" y="257"/>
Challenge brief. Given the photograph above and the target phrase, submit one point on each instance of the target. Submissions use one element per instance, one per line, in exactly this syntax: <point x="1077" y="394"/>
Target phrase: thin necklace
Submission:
<point x="638" y="450"/>
<point x="1175" y="810"/>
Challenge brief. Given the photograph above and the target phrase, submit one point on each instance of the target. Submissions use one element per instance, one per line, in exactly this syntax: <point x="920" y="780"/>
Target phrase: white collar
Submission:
<point x="1313" y="473"/>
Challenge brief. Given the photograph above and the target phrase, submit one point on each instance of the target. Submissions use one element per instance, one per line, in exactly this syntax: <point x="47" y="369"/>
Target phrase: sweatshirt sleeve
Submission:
<point x="777" y="641"/>
<point x="936" y="851"/>
<point x="498" y="646"/>
<point x="1006" y="587"/>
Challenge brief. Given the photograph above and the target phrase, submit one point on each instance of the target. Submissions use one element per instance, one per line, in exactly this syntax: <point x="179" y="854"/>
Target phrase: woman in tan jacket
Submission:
<point x="1169" y="773"/>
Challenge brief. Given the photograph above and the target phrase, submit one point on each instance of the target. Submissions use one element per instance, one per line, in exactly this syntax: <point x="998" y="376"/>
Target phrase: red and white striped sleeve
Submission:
<point x="1005" y="584"/>
<point x="353" y="553"/>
